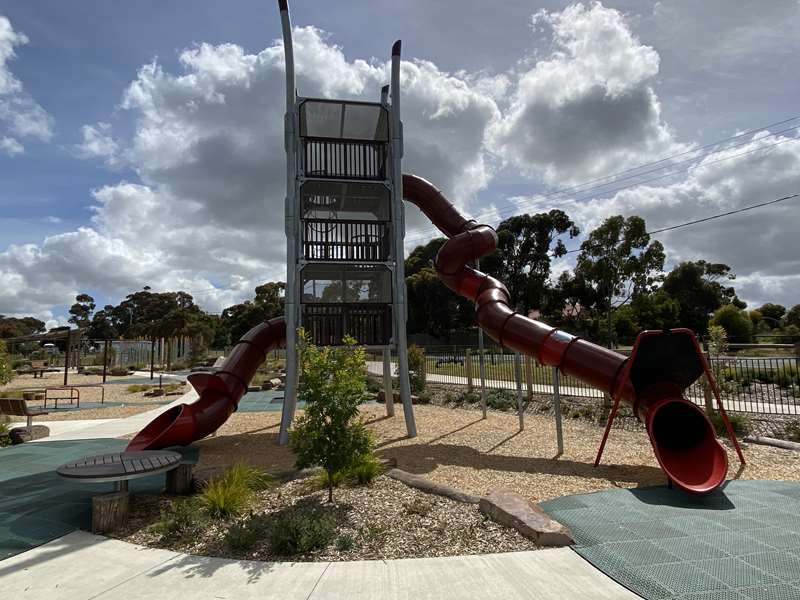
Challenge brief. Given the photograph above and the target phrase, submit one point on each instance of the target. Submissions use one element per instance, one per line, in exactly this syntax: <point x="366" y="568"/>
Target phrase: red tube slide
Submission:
<point x="683" y="439"/>
<point x="219" y="392"/>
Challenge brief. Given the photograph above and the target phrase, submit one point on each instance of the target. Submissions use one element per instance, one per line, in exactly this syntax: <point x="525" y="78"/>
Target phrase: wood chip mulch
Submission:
<point x="384" y="520"/>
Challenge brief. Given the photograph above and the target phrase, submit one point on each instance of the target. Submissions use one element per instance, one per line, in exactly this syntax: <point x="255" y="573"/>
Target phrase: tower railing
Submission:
<point x="344" y="159"/>
<point x="370" y="323"/>
<point x="346" y="240"/>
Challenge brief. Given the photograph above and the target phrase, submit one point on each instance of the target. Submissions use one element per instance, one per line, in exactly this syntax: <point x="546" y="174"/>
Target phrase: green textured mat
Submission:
<point x="36" y="505"/>
<point x="741" y="542"/>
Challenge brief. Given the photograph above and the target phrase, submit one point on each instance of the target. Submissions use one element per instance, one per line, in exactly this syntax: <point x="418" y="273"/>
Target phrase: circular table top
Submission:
<point x="120" y="466"/>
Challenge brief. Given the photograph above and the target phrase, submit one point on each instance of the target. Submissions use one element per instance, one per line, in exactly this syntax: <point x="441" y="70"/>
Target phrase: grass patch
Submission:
<point x="365" y="470"/>
<point x="741" y="424"/>
<point x="231" y="494"/>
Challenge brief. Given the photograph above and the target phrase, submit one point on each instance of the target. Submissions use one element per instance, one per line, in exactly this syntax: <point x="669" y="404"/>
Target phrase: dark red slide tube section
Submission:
<point x="683" y="439"/>
<point x="219" y="392"/>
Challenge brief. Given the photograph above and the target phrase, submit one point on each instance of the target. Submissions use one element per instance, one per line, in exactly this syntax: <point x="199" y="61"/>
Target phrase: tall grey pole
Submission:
<point x="481" y="360"/>
<point x="290" y="145"/>
<point x="518" y="379"/>
<point x="557" y="411"/>
<point x="388" y="392"/>
<point x="400" y="308"/>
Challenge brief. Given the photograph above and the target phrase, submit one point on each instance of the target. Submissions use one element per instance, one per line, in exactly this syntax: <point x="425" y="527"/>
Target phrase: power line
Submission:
<point x="711" y="218"/>
<point x="426" y="232"/>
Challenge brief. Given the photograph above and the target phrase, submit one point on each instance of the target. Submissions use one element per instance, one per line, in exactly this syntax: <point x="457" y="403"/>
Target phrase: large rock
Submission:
<point x="512" y="510"/>
<point x="19" y="435"/>
<point x="426" y="485"/>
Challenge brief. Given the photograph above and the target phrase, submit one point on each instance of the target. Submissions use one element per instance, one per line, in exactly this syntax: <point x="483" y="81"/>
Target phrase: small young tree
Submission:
<point x="6" y="372"/>
<point x="332" y="384"/>
<point x="417" y="374"/>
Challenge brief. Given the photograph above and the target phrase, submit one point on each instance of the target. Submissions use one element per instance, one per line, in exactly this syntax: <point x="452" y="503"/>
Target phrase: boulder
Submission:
<point x="512" y="510"/>
<point x="19" y="435"/>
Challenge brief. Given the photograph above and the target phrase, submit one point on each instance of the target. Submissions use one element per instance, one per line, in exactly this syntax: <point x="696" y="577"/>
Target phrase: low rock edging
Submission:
<point x="426" y="485"/>
<point x="512" y="510"/>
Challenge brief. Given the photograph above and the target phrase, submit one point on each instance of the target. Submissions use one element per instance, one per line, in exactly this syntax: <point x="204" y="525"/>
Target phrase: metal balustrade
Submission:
<point x="365" y="241"/>
<point x="327" y="323"/>
<point x="344" y="159"/>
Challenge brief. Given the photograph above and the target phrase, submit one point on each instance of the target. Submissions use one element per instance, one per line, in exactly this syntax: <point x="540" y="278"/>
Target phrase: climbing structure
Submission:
<point x="344" y="224"/>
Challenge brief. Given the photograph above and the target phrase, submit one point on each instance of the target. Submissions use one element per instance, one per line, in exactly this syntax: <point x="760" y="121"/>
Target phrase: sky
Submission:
<point x="141" y="142"/>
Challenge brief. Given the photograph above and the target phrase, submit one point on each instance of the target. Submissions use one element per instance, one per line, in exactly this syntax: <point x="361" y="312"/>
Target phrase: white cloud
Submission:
<point x="588" y="108"/>
<point x="98" y="142"/>
<point x="20" y="115"/>
<point x="10" y="146"/>
<point x="207" y="211"/>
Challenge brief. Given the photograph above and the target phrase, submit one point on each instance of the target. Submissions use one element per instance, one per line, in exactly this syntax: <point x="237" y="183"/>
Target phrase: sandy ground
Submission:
<point x="132" y="403"/>
<point x="459" y="448"/>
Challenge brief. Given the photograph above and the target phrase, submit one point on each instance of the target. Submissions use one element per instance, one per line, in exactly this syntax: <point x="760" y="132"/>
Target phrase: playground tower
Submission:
<point x="344" y="225"/>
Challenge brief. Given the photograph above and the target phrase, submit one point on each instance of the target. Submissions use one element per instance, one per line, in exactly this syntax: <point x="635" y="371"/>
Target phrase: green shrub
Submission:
<point x="501" y="400"/>
<point x="417" y="375"/>
<point x="245" y="534"/>
<point x="345" y="542"/>
<point x="365" y="470"/>
<point x="5" y="439"/>
<point x="792" y="431"/>
<point x="424" y="398"/>
<point x="741" y="424"/>
<point x="6" y="371"/>
<point x="462" y="398"/>
<point x="180" y="520"/>
<point x="301" y="530"/>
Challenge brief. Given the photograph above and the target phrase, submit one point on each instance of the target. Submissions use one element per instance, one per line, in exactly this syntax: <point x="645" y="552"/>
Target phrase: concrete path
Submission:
<point x="83" y="566"/>
<point x="106" y="428"/>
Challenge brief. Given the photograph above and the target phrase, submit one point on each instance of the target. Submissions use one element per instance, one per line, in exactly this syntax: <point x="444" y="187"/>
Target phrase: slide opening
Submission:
<point x="686" y="445"/>
<point x="149" y="436"/>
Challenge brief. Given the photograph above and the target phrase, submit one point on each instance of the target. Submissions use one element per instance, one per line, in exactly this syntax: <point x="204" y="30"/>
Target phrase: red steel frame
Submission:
<point x="617" y="395"/>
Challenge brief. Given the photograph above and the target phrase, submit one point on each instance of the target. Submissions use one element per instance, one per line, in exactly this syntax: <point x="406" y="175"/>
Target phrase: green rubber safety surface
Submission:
<point x="37" y="505"/>
<point x="741" y="542"/>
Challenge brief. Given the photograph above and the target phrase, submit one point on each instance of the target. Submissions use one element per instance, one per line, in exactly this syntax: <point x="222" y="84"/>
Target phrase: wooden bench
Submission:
<point x="110" y="511"/>
<point x="17" y="407"/>
<point x="39" y="367"/>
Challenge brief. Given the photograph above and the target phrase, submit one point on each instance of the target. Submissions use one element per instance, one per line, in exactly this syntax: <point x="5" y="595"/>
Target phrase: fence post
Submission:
<point x="518" y="379"/>
<point x="388" y="392"/>
<point x="482" y="370"/>
<point x="557" y="410"/>
<point x="529" y="376"/>
<point x="152" y="356"/>
<point x="468" y="367"/>
<point x="105" y="359"/>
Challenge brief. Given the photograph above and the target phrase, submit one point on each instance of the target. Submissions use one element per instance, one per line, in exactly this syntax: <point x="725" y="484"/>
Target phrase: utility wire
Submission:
<point x="705" y="219"/>
<point x="514" y="207"/>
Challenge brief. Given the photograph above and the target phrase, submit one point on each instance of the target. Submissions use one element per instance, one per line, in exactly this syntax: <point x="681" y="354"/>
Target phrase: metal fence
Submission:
<point x="750" y="385"/>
